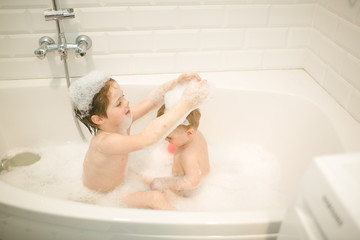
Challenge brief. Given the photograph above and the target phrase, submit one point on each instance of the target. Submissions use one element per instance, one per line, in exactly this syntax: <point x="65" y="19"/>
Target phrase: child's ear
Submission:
<point x="190" y="132"/>
<point x="97" y="119"/>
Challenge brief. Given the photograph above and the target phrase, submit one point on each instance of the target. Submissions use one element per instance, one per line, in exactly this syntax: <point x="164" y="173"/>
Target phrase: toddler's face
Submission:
<point x="178" y="137"/>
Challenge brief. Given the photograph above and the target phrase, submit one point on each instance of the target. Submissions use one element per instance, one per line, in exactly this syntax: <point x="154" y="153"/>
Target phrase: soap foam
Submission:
<point x="83" y="90"/>
<point x="174" y="95"/>
<point x="242" y="177"/>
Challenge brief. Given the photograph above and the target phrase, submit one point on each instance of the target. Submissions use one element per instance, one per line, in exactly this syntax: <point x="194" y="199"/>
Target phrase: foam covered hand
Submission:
<point x="197" y="92"/>
<point x="158" y="184"/>
<point x="157" y="95"/>
<point x="187" y="77"/>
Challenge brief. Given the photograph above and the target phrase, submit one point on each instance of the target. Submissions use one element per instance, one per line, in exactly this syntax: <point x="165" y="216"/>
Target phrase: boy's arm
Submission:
<point x="142" y="108"/>
<point x="189" y="181"/>
<point x="114" y="143"/>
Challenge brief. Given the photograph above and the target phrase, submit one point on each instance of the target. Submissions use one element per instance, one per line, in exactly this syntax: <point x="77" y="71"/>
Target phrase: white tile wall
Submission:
<point x="351" y="71"/>
<point x="266" y="38"/>
<point x="334" y="56"/>
<point x="158" y="36"/>
<point x="247" y="15"/>
<point x="348" y="37"/>
<point x="158" y="17"/>
<point x="219" y="39"/>
<point x="314" y="66"/>
<point x="133" y="32"/>
<point x="284" y="58"/>
<point x="340" y="88"/>
<point x="331" y="53"/>
<point x="242" y="59"/>
<point x="293" y="15"/>
<point x="354" y="104"/>
<point x="299" y="37"/>
<point x="14" y="21"/>
<point x="176" y="40"/>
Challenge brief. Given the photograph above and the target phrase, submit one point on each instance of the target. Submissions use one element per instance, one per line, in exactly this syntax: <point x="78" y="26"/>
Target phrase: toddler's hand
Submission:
<point x="146" y="180"/>
<point x="197" y="92"/>
<point x="158" y="184"/>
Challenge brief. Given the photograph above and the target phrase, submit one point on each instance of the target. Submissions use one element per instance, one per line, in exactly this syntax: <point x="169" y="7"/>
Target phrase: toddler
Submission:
<point x="100" y="104"/>
<point x="191" y="159"/>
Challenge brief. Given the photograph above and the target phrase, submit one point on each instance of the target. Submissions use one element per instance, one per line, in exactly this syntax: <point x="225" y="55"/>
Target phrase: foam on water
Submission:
<point x="242" y="177"/>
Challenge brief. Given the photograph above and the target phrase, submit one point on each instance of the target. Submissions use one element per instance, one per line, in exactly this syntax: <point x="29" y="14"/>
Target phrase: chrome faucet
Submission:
<point x="45" y="43"/>
<point x="83" y="42"/>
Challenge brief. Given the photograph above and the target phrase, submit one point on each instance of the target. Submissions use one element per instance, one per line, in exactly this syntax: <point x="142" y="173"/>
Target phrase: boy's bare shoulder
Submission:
<point x="101" y="139"/>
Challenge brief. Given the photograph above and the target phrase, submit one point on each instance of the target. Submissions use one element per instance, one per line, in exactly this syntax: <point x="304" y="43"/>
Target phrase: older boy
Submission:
<point x="100" y="104"/>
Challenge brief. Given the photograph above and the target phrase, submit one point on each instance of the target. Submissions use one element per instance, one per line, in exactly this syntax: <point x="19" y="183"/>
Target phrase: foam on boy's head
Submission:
<point x="83" y="90"/>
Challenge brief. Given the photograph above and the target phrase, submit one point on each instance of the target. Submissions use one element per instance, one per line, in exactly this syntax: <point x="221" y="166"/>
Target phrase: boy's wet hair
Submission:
<point x="99" y="106"/>
<point x="193" y="117"/>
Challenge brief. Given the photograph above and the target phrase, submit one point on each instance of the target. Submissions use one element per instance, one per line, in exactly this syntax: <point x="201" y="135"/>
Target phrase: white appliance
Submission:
<point x="328" y="202"/>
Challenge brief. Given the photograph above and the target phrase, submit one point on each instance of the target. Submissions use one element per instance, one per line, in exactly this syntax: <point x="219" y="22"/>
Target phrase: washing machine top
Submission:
<point x="331" y="189"/>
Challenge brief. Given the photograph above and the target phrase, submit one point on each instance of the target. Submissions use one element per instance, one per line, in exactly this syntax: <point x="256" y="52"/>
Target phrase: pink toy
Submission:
<point x="171" y="148"/>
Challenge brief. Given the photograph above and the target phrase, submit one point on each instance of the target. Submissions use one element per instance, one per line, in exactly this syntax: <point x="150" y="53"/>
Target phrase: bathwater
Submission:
<point x="242" y="177"/>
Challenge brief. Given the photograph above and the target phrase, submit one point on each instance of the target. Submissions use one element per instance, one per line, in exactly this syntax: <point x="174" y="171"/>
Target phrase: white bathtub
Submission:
<point x="285" y="112"/>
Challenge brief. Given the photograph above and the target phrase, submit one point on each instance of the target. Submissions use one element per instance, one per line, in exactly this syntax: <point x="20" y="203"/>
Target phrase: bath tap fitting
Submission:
<point x="46" y="43"/>
<point x="59" y="14"/>
<point x="83" y="43"/>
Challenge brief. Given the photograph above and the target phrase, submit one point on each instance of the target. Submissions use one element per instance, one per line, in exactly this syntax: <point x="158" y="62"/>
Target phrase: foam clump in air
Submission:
<point x="83" y="90"/>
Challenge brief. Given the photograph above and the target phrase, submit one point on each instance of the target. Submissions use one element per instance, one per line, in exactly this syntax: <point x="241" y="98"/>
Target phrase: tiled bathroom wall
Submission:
<point x="157" y="36"/>
<point x="333" y="56"/>
<point x="163" y="36"/>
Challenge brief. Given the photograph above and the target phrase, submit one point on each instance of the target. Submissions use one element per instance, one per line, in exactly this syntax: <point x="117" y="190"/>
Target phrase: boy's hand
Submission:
<point x="186" y="77"/>
<point x="157" y="95"/>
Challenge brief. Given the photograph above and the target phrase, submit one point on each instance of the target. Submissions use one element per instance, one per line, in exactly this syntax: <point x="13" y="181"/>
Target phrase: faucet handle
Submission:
<point x="44" y="43"/>
<point x="83" y="43"/>
<point x="45" y="40"/>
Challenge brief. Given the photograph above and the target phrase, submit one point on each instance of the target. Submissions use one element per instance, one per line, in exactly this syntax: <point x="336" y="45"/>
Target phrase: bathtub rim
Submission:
<point x="40" y="204"/>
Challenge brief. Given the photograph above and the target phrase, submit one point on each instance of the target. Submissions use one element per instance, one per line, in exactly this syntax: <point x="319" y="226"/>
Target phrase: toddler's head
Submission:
<point x="180" y="135"/>
<point x="192" y="120"/>
<point x="89" y="96"/>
